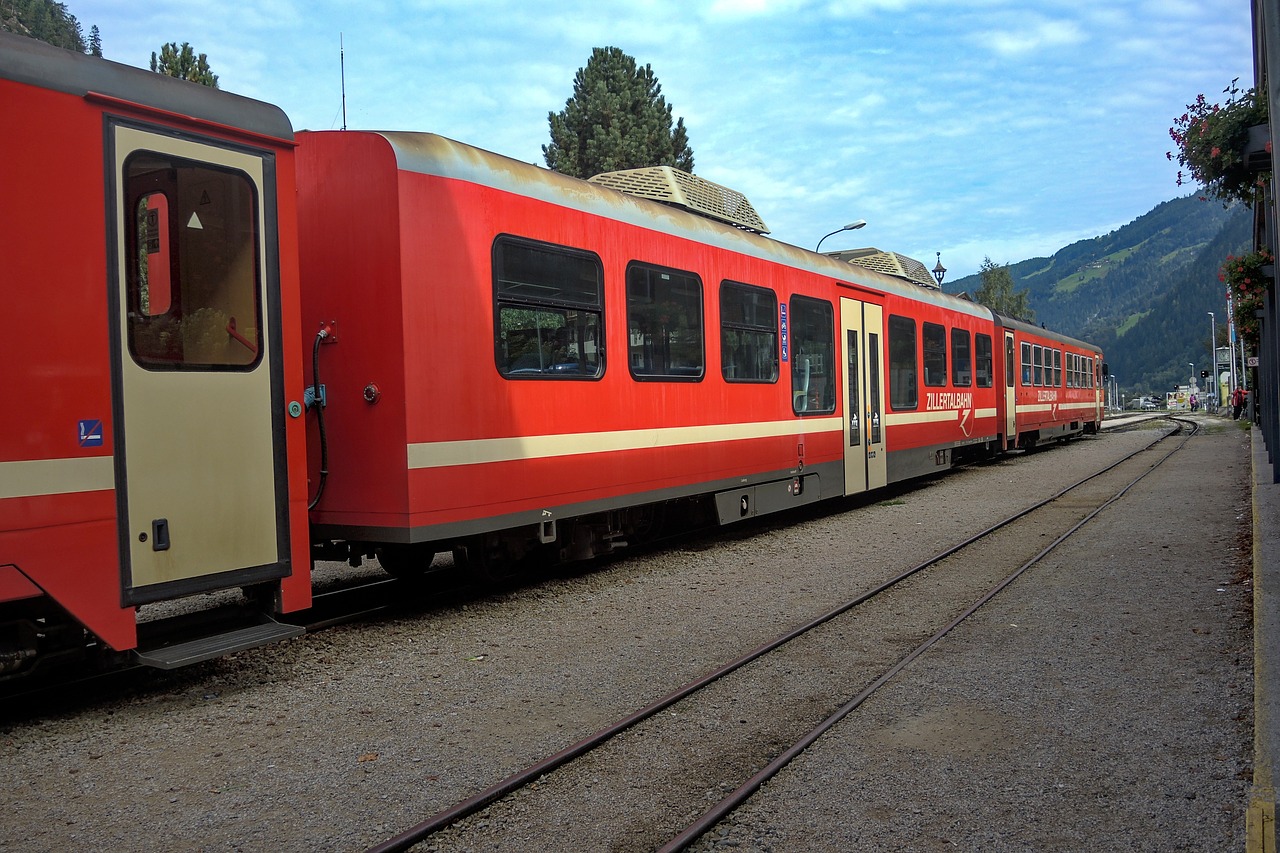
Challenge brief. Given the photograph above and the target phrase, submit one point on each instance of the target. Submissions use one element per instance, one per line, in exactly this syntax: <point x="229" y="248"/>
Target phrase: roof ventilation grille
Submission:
<point x="890" y="263"/>
<point x="688" y="192"/>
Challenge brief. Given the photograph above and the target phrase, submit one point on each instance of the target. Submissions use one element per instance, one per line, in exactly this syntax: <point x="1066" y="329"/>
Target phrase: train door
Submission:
<point x="865" y="463"/>
<point x="1010" y="391"/>
<point x="197" y="377"/>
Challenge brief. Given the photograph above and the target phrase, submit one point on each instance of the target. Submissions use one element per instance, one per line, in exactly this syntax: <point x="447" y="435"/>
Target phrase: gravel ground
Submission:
<point x="1105" y="698"/>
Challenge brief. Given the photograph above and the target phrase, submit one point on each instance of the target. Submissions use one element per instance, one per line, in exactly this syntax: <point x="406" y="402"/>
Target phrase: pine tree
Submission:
<point x="95" y="41"/>
<point x="997" y="293"/>
<point x="45" y="20"/>
<point x="182" y="62"/>
<point x="616" y="119"/>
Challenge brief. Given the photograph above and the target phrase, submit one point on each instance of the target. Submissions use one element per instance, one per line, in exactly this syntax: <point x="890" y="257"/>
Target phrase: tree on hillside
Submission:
<point x="45" y="20"/>
<point x="182" y="62"/>
<point x="997" y="293"/>
<point x="616" y="119"/>
<point x="95" y="42"/>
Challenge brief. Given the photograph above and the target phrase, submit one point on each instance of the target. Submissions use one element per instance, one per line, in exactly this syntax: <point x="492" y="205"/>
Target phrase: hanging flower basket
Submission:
<point x="1212" y="141"/>
<point x="1248" y="278"/>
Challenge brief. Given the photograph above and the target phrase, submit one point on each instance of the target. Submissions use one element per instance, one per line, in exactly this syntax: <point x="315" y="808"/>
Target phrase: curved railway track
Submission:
<point x="675" y="767"/>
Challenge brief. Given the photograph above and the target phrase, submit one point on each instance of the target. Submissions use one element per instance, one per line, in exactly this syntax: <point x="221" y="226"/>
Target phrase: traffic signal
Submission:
<point x="1204" y="374"/>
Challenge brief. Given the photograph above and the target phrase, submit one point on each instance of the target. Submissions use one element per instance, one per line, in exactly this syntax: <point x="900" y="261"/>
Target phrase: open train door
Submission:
<point x="197" y="374"/>
<point x="865" y="462"/>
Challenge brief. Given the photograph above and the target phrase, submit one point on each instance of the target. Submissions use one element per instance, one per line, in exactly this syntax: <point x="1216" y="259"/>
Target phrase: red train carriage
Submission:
<point x="528" y="362"/>
<point x="150" y="282"/>
<point x="506" y="361"/>
<point x="1053" y="385"/>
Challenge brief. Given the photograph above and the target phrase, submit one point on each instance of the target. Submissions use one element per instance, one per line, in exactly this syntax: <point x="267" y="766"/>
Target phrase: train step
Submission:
<point x="174" y="655"/>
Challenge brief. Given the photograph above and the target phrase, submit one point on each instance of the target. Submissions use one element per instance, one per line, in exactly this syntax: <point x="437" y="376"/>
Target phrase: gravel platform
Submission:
<point x="1103" y="702"/>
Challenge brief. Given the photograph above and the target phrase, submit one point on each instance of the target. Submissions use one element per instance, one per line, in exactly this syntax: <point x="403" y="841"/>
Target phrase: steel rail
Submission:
<point x="521" y="778"/>
<point x="740" y="795"/>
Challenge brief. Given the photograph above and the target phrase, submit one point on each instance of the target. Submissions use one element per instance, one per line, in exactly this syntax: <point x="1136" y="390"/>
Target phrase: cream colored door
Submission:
<point x="198" y="434"/>
<point x="1011" y="367"/>
<point x="865" y="463"/>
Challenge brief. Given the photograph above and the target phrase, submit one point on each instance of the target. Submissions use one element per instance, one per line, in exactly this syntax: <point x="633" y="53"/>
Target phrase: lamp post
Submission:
<point x="852" y="226"/>
<point x="1213" y="359"/>
<point x="939" y="271"/>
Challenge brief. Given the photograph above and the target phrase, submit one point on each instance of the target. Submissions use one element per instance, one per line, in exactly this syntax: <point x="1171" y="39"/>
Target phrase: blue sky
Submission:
<point x="1000" y="128"/>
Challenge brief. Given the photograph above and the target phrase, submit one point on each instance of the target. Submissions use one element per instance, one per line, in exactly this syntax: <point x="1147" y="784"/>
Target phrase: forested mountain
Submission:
<point x="48" y="21"/>
<point x="1143" y="292"/>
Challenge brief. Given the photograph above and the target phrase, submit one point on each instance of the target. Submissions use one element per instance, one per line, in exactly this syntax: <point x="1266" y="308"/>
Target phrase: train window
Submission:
<point x="1008" y="360"/>
<point x="549" y="311"/>
<point x="852" y="369"/>
<point x="748" y="333"/>
<point x="1071" y="370"/>
<point x="664" y="323"/>
<point x="1057" y="368"/>
<point x="1089" y="372"/>
<point x="902" y="362"/>
<point x="1037" y="364"/>
<point x="983" y="357"/>
<point x="193" y="279"/>
<point x="935" y="355"/>
<point x="961" y="359"/>
<point x="873" y="385"/>
<point x="813" y="348"/>
<point x="1026" y="363"/>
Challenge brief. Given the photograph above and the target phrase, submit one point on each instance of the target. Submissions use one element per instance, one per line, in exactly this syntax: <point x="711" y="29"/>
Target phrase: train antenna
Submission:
<point x="342" y="73"/>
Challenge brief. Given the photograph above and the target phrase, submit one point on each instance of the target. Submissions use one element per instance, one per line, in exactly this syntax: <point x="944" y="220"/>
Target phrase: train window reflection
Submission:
<point x="902" y="363"/>
<point x="549" y="311"/>
<point x="748" y="333"/>
<point x="813" y="349"/>
<point x="192" y="264"/>
<point x="664" y="323"/>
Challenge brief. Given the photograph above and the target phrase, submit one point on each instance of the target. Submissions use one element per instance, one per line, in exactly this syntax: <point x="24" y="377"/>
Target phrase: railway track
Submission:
<point x="672" y="769"/>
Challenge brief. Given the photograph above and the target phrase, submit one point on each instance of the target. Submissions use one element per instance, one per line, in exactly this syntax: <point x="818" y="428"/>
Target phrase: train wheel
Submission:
<point x="405" y="561"/>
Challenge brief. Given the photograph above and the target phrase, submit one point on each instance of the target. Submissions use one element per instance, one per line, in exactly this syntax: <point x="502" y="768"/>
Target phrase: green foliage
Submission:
<point x="44" y="20"/>
<point x="1211" y="139"/>
<point x="1143" y="291"/>
<point x="1248" y="278"/>
<point x="616" y="119"/>
<point x="182" y="62"/>
<point x="997" y="292"/>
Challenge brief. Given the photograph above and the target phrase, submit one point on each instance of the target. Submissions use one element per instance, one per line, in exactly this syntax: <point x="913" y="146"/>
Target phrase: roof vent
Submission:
<point x="688" y="192"/>
<point x="888" y="262"/>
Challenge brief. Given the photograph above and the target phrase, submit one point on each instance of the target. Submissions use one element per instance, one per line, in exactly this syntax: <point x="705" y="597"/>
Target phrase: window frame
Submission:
<point x="665" y="374"/>
<point x="933" y="342"/>
<point x="508" y="300"/>
<point x="961" y="357"/>
<point x="798" y="306"/>
<point x="979" y="359"/>
<point x="903" y="397"/>
<point x="747" y="327"/>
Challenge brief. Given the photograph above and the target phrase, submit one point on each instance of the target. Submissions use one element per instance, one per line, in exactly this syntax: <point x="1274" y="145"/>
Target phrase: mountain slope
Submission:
<point x="1143" y="292"/>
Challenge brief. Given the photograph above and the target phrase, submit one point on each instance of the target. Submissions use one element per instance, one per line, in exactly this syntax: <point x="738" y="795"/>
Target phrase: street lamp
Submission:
<point x="852" y="226"/>
<point x="939" y="270"/>
<point x="1213" y="358"/>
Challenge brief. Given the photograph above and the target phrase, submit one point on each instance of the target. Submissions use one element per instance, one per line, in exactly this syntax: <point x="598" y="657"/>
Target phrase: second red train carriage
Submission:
<point x="528" y="362"/>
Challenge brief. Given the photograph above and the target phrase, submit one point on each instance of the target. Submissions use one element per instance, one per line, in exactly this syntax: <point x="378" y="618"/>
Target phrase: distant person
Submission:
<point x="1237" y="403"/>
<point x="1195" y="403"/>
